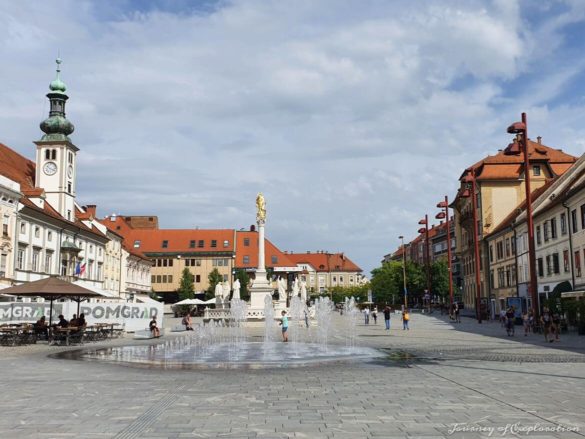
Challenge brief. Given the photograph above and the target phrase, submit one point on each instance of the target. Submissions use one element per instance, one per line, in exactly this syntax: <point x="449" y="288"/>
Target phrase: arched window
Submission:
<point x="47" y="154"/>
<point x="54" y="154"/>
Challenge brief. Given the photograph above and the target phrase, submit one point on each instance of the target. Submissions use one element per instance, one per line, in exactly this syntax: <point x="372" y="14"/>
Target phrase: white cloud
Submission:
<point x="354" y="118"/>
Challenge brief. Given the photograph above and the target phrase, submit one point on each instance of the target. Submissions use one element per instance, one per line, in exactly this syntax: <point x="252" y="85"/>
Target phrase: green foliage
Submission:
<point x="387" y="281"/>
<point x="214" y="278"/>
<point x="440" y="278"/>
<point x="359" y="292"/>
<point x="186" y="288"/>
<point x="244" y="278"/>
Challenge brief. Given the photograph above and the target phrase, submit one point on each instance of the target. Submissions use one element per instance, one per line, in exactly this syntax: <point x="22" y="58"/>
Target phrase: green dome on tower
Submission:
<point x="56" y="126"/>
<point x="57" y="85"/>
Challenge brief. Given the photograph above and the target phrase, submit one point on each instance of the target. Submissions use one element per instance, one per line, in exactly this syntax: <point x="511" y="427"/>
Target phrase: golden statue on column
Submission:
<point x="261" y="208"/>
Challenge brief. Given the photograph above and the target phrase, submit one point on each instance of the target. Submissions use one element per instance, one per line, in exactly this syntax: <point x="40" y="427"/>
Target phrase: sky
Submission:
<point x="353" y="117"/>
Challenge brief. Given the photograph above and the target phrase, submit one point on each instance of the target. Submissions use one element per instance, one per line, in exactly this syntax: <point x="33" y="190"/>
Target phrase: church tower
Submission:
<point x="56" y="156"/>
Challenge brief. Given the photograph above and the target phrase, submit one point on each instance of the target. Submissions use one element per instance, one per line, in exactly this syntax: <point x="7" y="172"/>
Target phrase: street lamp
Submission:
<point x="520" y="145"/>
<point x="470" y="179"/>
<point x="425" y="229"/>
<point x="404" y="272"/>
<point x="445" y="215"/>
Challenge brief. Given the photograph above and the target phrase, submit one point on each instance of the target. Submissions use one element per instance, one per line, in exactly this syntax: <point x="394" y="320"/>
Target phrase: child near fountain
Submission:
<point x="284" y="323"/>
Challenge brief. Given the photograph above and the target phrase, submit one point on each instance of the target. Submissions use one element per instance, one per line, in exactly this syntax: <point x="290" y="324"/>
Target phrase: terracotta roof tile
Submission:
<point x="325" y="261"/>
<point x="251" y="251"/>
<point x="16" y="167"/>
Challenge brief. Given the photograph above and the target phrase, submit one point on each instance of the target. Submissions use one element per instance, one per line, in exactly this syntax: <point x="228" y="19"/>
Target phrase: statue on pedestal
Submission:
<point x="218" y="291"/>
<point x="281" y="289"/>
<point x="237" y="287"/>
<point x="226" y="291"/>
<point x="260" y="208"/>
<point x="304" y="291"/>
<point x="295" y="288"/>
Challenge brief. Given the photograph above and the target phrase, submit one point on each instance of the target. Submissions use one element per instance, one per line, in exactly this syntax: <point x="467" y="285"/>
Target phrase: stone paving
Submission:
<point x="467" y="381"/>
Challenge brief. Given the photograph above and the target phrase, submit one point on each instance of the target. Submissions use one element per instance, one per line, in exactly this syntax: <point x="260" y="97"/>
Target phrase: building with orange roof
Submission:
<point x="9" y="195"/>
<point x="323" y="270"/>
<point x="199" y="250"/>
<point x="49" y="234"/>
<point x="499" y="190"/>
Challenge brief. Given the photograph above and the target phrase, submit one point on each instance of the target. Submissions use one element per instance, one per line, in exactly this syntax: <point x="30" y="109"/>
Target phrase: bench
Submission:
<point x="146" y="334"/>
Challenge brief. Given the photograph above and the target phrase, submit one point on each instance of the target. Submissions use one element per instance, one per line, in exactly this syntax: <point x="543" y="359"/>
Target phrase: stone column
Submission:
<point x="261" y="256"/>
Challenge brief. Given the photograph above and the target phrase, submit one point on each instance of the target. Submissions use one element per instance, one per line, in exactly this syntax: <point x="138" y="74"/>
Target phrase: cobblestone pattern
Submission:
<point x="48" y="398"/>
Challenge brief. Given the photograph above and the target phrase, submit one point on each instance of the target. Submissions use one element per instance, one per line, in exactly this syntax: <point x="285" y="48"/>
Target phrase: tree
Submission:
<point x="359" y="292"/>
<point x="244" y="279"/>
<point x="440" y="278"/>
<point x="186" y="288"/>
<point x="214" y="278"/>
<point x="388" y="281"/>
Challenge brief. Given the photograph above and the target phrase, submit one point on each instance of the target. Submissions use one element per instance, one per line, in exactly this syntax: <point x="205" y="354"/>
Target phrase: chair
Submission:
<point x="77" y="336"/>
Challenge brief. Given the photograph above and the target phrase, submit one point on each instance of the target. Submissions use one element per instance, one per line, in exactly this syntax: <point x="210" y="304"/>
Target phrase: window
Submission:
<point x="165" y="262"/>
<point x="499" y="250"/>
<point x="340" y="279"/>
<point x="540" y="267"/>
<point x="566" y="260"/>
<point x="492" y="279"/>
<point x="563" y="224"/>
<point x="545" y="231"/>
<point x="35" y="260"/>
<point x="507" y="247"/>
<point x="20" y="259"/>
<point x="334" y="279"/>
<point x="54" y="154"/>
<point x="491" y="253"/>
<point x="538" y="240"/>
<point x="50" y="236"/>
<point x="201" y="243"/>
<point x="513" y="245"/>
<point x="69" y="215"/>
<point x="137" y="243"/>
<point x="170" y="278"/>
<point x="577" y="264"/>
<point x="99" y="272"/>
<point x="226" y="243"/>
<point x="213" y="243"/>
<point x="47" y="154"/>
<point x="501" y="277"/>
<point x="274" y="259"/>
<point x="536" y="170"/>
<point x="153" y="279"/>
<point x="22" y="228"/>
<point x="5" y="223"/>
<point x="159" y="279"/>
<point x="48" y="262"/>
<point x="197" y="278"/>
<point x="192" y="243"/>
<point x="574" y="220"/>
<point x="246" y="259"/>
<point x="70" y="158"/>
<point x="556" y="265"/>
<point x="508" y="276"/>
<point x="553" y="228"/>
<point x="68" y="187"/>
<point x="246" y="242"/>
<point x="548" y="265"/>
<point x="165" y="244"/>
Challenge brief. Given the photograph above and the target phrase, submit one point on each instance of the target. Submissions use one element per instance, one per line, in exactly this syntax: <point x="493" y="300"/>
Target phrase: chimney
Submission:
<point x="252" y="228"/>
<point x="113" y="217"/>
<point x="91" y="210"/>
<point x="539" y="140"/>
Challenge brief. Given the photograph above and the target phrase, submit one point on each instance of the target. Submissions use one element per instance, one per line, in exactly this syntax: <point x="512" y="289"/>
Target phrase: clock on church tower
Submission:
<point x="56" y="156"/>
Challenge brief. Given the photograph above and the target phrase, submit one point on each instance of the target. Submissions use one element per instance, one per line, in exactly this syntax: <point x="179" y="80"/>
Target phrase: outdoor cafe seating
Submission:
<point x="24" y="333"/>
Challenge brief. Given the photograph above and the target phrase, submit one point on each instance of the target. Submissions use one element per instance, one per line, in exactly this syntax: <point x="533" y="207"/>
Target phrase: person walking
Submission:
<point x="546" y="320"/>
<point x="367" y="315"/>
<point x="387" y="312"/>
<point x="556" y="319"/>
<point x="526" y="323"/>
<point x="510" y="317"/>
<point x="502" y="318"/>
<point x="456" y="313"/>
<point x="375" y="316"/>
<point x="405" y="319"/>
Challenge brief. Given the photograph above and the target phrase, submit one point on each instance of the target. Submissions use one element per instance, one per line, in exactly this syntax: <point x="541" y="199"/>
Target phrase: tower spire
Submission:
<point x="56" y="126"/>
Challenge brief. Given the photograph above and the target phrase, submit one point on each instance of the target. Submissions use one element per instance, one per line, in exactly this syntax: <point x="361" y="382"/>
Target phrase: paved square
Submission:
<point x="466" y="381"/>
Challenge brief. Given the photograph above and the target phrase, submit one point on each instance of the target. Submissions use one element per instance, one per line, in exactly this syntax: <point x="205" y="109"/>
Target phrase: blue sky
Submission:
<point x="353" y="117"/>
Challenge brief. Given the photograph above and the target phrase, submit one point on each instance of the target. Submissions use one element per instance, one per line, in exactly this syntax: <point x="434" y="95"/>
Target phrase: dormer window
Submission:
<point x="192" y="244"/>
<point x="137" y="243"/>
<point x="165" y="244"/>
<point x="536" y="170"/>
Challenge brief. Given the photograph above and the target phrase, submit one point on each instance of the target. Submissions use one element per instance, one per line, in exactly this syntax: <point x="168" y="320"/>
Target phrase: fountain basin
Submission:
<point x="243" y="355"/>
